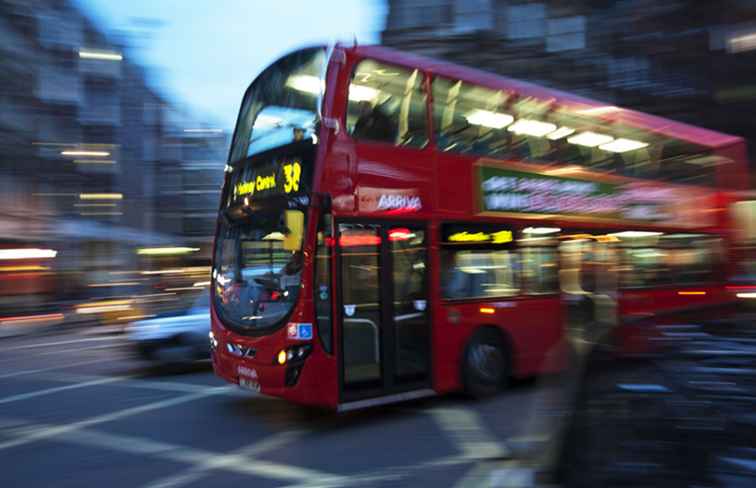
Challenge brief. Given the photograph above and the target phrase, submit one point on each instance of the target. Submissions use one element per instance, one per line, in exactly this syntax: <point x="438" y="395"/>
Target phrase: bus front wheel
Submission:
<point x="485" y="368"/>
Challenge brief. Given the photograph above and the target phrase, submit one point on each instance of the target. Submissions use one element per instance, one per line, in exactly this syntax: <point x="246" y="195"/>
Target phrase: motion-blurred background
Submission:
<point x="115" y="123"/>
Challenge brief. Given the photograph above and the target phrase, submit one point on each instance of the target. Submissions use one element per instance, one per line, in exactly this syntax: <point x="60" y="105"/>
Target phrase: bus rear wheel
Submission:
<point x="486" y="366"/>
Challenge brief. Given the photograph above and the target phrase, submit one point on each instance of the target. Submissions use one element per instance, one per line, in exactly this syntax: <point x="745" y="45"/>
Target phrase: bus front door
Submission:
<point x="384" y="312"/>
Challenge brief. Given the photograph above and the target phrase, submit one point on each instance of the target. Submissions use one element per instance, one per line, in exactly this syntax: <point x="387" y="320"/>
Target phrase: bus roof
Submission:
<point x="607" y="112"/>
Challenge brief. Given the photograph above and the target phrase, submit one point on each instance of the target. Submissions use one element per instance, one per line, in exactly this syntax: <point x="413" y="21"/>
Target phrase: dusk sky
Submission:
<point x="202" y="54"/>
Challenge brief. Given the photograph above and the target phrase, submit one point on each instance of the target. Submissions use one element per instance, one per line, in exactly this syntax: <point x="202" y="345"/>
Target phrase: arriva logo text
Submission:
<point x="393" y="202"/>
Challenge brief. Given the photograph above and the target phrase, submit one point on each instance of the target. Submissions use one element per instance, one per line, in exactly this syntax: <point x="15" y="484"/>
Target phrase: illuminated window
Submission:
<point x="470" y="119"/>
<point x="387" y="104"/>
<point x="480" y="264"/>
<point x="540" y="272"/>
<point x="669" y="259"/>
<point x="283" y="98"/>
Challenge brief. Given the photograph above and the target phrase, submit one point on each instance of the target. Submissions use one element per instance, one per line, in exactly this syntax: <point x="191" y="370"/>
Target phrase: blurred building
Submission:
<point x="189" y="184"/>
<point x="687" y="60"/>
<point x="94" y="161"/>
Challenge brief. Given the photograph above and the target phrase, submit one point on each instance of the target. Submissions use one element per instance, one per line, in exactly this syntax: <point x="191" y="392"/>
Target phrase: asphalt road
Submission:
<point x="77" y="409"/>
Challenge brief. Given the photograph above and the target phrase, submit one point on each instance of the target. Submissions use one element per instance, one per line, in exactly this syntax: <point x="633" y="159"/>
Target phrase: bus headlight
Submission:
<point x="293" y="354"/>
<point x="282" y="357"/>
<point x="213" y="340"/>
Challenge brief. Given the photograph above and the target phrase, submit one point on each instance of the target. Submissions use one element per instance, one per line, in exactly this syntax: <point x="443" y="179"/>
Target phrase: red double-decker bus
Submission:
<point x="393" y="227"/>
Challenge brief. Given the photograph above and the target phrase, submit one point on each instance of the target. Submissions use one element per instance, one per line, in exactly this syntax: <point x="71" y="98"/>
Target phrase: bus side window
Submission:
<point x="476" y="266"/>
<point x="387" y="104"/>
<point x="470" y="119"/>
<point x="322" y="289"/>
<point x="539" y="270"/>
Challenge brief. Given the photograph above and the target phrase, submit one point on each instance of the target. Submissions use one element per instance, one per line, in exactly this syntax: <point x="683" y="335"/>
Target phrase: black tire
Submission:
<point x="486" y="364"/>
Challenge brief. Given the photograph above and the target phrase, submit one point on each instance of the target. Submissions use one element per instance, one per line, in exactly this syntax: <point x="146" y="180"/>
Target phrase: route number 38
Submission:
<point x="292" y="173"/>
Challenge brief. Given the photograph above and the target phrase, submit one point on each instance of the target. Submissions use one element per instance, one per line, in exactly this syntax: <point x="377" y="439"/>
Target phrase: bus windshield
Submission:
<point x="281" y="105"/>
<point x="257" y="271"/>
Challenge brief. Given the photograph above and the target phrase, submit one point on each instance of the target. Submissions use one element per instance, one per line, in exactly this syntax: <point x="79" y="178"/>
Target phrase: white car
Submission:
<point x="176" y="337"/>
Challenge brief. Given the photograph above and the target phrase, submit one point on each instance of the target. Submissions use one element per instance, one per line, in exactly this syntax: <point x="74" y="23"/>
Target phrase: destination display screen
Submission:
<point x="473" y="233"/>
<point x="282" y="174"/>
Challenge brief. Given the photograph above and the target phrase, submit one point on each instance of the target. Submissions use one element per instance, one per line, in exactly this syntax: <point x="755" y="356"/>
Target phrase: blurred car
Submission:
<point x="178" y="336"/>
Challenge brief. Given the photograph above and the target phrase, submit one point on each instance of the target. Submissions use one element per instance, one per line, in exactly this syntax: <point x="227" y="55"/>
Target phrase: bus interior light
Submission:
<point x="534" y="128"/>
<point x="686" y="293"/>
<point x="400" y="234"/>
<point x="605" y="109"/>
<point x="306" y="83"/>
<point x="486" y="118"/>
<point x="542" y="230"/>
<point x="623" y="145"/>
<point x="560" y="133"/>
<point x="746" y="295"/>
<point x="590" y="139"/>
<point x="362" y="93"/>
<point x="631" y="234"/>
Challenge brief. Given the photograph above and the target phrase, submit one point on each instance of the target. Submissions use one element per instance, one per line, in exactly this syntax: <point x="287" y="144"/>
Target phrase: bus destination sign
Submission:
<point x="282" y="177"/>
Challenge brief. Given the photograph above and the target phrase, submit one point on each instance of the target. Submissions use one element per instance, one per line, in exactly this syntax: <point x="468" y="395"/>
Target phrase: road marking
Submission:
<point x="201" y="462"/>
<point x="58" y="343"/>
<point x="53" y="368"/>
<point x="511" y="477"/>
<point x="136" y="381"/>
<point x="222" y="462"/>
<point x="390" y="473"/>
<point x="65" y="351"/>
<point x="271" y="443"/>
<point x="476" y="477"/>
<point x="50" y="391"/>
<point x="54" y="431"/>
<point x="199" y="459"/>
<point x="466" y="430"/>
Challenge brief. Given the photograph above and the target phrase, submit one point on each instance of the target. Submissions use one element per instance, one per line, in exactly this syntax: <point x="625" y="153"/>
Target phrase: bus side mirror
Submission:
<point x="295" y="225"/>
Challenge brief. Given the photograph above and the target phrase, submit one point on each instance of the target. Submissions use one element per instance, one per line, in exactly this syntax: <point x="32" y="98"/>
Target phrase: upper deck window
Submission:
<point x="281" y="106"/>
<point x="475" y="120"/>
<point x="387" y="104"/>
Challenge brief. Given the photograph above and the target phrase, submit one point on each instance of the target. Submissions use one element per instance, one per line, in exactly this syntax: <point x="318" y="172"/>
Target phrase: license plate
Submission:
<point x="249" y="384"/>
